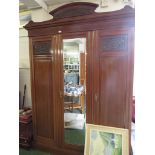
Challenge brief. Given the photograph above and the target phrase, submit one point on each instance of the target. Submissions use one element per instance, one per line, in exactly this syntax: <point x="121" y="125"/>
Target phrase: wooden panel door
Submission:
<point x="113" y="90"/>
<point x="43" y="97"/>
<point x="115" y="60"/>
<point x="42" y="91"/>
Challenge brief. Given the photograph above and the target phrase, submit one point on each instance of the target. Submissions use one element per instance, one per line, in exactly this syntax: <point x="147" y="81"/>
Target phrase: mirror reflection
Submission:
<point x="74" y="90"/>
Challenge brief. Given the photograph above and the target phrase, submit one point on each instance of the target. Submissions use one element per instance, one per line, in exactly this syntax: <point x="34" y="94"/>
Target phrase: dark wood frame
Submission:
<point x="64" y="25"/>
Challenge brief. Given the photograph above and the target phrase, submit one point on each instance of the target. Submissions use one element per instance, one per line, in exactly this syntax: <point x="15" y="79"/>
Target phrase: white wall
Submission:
<point x="24" y="66"/>
<point x="24" y="78"/>
<point x="23" y="49"/>
<point x="39" y="15"/>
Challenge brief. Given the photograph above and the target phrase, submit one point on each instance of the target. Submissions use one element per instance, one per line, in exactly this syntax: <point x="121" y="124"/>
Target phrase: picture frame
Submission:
<point x="104" y="140"/>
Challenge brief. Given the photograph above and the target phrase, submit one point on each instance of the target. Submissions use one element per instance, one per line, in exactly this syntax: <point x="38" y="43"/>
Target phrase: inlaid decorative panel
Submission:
<point x="114" y="43"/>
<point x="42" y="47"/>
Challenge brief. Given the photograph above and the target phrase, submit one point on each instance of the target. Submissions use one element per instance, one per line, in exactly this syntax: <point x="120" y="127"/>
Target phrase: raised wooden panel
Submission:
<point x="43" y="97"/>
<point x="113" y="72"/>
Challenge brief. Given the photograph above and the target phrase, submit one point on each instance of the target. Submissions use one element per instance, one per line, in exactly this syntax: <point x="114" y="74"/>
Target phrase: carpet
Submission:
<point x="32" y="152"/>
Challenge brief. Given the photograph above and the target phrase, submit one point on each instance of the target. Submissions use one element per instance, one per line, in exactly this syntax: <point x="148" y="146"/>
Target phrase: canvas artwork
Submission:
<point x="105" y="143"/>
<point x="102" y="140"/>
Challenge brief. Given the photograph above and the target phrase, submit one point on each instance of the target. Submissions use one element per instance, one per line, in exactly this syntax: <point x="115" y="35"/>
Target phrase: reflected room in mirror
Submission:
<point x="74" y="90"/>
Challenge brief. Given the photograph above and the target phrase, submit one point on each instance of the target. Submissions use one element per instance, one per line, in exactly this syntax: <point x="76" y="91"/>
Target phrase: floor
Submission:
<point x="73" y="136"/>
<point x="32" y="152"/>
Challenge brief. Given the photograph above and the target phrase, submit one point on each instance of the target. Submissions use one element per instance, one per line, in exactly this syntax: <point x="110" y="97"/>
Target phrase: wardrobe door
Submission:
<point x="42" y="91"/>
<point x="115" y="50"/>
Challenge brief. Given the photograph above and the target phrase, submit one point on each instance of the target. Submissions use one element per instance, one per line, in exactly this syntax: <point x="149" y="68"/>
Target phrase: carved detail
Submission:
<point x="42" y="47"/>
<point x="114" y="43"/>
<point x="74" y="9"/>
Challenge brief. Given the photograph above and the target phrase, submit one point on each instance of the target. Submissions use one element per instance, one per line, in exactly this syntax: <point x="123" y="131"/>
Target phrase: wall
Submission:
<point x="39" y="15"/>
<point x="24" y="66"/>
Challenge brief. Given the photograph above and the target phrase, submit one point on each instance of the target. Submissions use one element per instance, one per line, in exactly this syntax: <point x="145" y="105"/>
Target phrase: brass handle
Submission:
<point x="61" y="94"/>
<point x="96" y="98"/>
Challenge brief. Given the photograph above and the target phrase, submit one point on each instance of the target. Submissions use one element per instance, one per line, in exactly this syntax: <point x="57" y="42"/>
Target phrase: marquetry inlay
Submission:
<point x="42" y="47"/>
<point x="114" y="43"/>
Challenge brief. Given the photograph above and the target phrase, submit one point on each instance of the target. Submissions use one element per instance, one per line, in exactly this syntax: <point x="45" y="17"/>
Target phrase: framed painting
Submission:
<point x="104" y="140"/>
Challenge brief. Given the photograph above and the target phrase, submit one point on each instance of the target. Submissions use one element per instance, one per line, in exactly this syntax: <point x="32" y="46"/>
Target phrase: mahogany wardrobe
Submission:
<point x="109" y="58"/>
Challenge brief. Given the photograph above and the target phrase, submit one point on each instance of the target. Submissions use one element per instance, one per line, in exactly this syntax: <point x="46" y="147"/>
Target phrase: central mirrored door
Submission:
<point x="74" y="67"/>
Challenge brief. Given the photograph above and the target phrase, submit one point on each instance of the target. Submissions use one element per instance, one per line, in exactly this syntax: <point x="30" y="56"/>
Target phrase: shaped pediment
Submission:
<point x="73" y="10"/>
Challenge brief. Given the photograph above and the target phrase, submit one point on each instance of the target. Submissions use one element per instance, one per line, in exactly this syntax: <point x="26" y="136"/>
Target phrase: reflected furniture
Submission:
<point x="71" y="104"/>
<point x="71" y="77"/>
